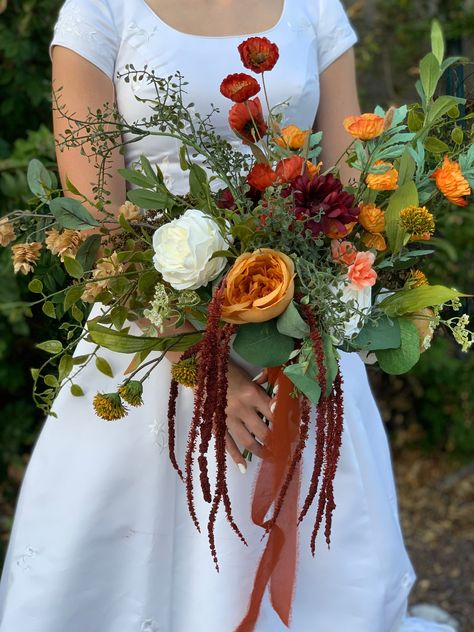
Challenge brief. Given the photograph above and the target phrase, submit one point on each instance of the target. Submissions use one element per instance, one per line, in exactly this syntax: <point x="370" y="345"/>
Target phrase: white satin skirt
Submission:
<point x="102" y="540"/>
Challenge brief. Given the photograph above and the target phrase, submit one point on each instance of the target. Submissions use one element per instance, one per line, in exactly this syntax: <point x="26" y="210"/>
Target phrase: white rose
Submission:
<point x="183" y="250"/>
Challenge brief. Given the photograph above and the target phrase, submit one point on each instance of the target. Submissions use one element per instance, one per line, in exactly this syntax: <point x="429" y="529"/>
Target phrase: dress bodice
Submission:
<point x="113" y="33"/>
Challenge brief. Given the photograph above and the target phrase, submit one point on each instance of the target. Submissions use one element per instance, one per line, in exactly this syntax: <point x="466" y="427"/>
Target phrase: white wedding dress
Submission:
<point x="102" y="540"/>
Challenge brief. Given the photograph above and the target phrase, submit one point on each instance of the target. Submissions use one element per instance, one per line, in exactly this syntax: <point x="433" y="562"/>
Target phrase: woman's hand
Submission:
<point x="246" y="403"/>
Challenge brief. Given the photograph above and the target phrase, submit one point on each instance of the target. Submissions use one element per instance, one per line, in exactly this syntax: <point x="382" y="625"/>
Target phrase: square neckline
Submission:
<point x="148" y="8"/>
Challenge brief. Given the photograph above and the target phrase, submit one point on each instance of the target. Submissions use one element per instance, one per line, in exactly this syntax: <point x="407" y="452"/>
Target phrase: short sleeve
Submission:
<point x="87" y="27"/>
<point x="334" y="31"/>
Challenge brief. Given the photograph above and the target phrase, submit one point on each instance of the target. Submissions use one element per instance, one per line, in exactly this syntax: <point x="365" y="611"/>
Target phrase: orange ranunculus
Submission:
<point x="387" y="181"/>
<point x="258" y="54"/>
<point x="239" y="87"/>
<point x="289" y="168"/>
<point x="259" y="287"/>
<point x="374" y="240"/>
<point x="372" y="218"/>
<point x="292" y="137"/>
<point x="451" y="182"/>
<point x="261" y="176"/>
<point x="246" y="120"/>
<point x="365" y="126"/>
<point x="313" y="170"/>
<point x="343" y="252"/>
<point x="335" y="230"/>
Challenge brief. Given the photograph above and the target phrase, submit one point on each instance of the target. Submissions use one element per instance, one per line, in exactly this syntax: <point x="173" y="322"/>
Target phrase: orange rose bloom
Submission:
<point x="372" y="218"/>
<point x="387" y="181"/>
<point x="261" y="176"/>
<point x="258" y="54"/>
<point x="365" y="126"/>
<point x="259" y="287"/>
<point x="247" y="121"/>
<point x="451" y="182"/>
<point x="292" y="137"/>
<point x="239" y="87"/>
<point x="374" y="240"/>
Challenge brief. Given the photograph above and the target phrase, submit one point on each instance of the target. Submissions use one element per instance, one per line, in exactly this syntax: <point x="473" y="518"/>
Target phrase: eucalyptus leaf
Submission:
<point x="76" y="390"/>
<point x="48" y="309"/>
<point x="383" y="334"/>
<point x="87" y="253"/>
<point x="103" y="366"/>
<point x="149" y="199"/>
<point x="291" y="323"/>
<point x="262" y="344"/>
<point x="66" y="365"/>
<point x="137" y="178"/>
<point x="39" y="179"/>
<point x="399" y="361"/>
<point x="70" y="213"/>
<point x="50" y="346"/>
<point x="73" y="267"/>
<point x="35" y="286"/>
<point x="305" y="381"/>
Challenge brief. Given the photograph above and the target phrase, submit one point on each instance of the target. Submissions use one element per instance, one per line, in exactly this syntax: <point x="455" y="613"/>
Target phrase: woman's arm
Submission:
<point x="338" y="99"/>
<point x="83" y="87"/>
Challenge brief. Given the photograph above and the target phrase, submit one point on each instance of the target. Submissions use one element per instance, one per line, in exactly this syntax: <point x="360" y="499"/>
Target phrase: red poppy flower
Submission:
<point x="246" y="120"/>
<point x="239" y="87"/>
<point x="261" y="176"/>
<point x="258" y="54"/>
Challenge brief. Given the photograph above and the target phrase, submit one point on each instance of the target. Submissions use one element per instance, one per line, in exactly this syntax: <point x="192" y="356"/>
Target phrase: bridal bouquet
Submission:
<point x="269" y="253"/>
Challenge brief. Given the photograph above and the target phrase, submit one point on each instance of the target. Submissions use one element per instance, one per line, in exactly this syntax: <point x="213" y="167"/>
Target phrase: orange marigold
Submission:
<point x="239" y="87"/>
<point x="372" y="218"/>
<point x="386" y="181"/>
<point x="292" y="137"/>
<point x="451" y="182"/>
<point x="365" y="126"/>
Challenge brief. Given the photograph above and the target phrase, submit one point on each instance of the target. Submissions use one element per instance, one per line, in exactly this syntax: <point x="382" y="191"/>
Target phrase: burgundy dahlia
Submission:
<point x="322" y="204"/>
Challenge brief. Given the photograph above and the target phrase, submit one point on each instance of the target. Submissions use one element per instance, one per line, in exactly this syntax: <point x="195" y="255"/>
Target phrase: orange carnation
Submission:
<point x="289" y="168"/>
<point x="386" y="181"/>
<point x="451" y="182"/>
<point x="365" y="126"/>
<point x="258" y="54"/>
<point x="292" y="137"/>
<point x="372" y="218"/>
<point x="261" y="176"/>
<point x="374" y="240"/>
<point x="259" y="287"/>
<point x="239" y="87"/>
<point x="247" y="121"/>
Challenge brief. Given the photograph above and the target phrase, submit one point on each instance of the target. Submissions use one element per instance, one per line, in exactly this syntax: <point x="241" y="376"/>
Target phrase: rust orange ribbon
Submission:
<point x="277" y="566"/>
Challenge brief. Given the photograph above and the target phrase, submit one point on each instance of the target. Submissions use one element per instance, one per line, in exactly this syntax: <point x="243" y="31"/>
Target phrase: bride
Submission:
<point x="102" y="540"/>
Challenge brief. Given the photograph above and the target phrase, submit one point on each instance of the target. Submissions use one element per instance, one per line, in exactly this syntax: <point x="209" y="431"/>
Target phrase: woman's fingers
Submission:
<point x="255" y="425"/>
<point x="235" y="454"/>
<point x="243" y="437"/>
<point x="261" y="378"/>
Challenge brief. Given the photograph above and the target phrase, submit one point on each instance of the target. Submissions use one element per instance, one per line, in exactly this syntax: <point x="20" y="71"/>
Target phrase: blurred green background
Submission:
<point x="432" y="407"/>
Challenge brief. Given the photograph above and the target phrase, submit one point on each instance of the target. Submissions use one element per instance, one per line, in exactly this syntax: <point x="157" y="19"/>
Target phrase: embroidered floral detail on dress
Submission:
<point x="332" y="38"/>
<point x="71" y="22"/>
<point x="137" y="36"/>
<point x="150" y="625"/>
<point x="23" y="561"/>
<point x="299" y="24"/>
<point x="159" y="428"/>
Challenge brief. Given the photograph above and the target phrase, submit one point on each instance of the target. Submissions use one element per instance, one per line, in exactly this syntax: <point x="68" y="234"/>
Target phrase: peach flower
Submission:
<point x="259" y="287"/>
<point x="386" y="181"/>
<point x="7" y="232"/>
<point x="372" y="218"/>
<point x="451" y="182"/>
<point x="292" y="137"/>
<point x="360" y="273"/>
<point x="343" y="252"/>
<point x="365" y="126"/>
